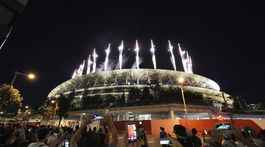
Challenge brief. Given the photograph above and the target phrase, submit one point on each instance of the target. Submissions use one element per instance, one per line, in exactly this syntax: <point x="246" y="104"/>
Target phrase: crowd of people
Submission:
<point x="230" y="137"/>
<point x="23" y="135"/>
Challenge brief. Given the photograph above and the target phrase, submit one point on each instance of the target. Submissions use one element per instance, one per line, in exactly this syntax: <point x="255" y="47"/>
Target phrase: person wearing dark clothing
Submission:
<point x="229" y="139"/>
<point x="182" y="136"/>
<point x="101" y="136"/>
<point x="141" y="137"/>
<point x="163" y="136"/>
<point x="195" y="140"/>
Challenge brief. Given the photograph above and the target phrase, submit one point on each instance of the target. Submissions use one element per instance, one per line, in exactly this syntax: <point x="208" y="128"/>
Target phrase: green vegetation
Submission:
<point x="58" y="106"/>
<point x="10" y="99"/>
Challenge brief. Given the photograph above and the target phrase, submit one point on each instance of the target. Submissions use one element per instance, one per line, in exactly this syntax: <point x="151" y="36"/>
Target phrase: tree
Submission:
<point x="63" y="106"/>
<point x="133" y="96"/>
<point x="194" y="97"/>
<point x="146" y="97"/>
<point x="156" y="89"/>
<point x="208" y="101"/>
<point x="97" y="100"/>
<point x="10" y="99"/>
<point x="236" y="104"/>
<point x="110" y="100"/>
<point x="74" y="102"/>
<point x="87" y="102"/>
<point x="25" y="113"/>
<point x="121" y="100"/>
<point x="170" y="95"/>
<point x="48" y="109"/>
<point x="260" y="106"/>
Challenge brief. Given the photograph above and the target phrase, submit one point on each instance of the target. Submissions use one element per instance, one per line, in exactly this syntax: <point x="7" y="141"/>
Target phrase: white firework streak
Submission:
<point x="137" y="54"/>
<point x="172" y="57"/>
<point x="121" y="47"/>
<point x="134" y="65"/>
<point x="152" y="50"/>
<point x="107" y="58"/>
<point x="124" y="61"/>
<point x="80" y="69"/>
<point x="89" y="62"/>
<point x="94" y="61"/>
<point x="188" y="63"/>
<point x="186" y="60"/>
<point x="182" y="54"/>
<point x="74" y="74"/>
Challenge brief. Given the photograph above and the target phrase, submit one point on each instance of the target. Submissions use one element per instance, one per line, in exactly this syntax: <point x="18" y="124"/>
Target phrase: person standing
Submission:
<point x="141" y="137"/>
<point x="43" y="135"/>
<point x="163" y="136"/>
<point x="182" y="136"/>
<point x="196" y="141"/>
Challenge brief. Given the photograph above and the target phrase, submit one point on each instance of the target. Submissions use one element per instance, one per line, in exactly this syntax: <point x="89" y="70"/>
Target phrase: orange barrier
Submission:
<point x="152" y="127"/>
<point x="201" y="125"/>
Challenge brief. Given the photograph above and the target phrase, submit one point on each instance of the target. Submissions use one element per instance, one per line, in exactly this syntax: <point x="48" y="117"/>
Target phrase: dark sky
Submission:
<point x="226" y="40"/>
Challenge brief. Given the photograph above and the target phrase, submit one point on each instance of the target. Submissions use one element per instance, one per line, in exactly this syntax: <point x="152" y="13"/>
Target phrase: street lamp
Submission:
<point x="181" y="81"/>
<point x="30" y="76"/>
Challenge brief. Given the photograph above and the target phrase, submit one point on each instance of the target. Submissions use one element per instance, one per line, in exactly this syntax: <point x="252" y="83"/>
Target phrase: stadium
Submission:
<point x="143" y="94"/>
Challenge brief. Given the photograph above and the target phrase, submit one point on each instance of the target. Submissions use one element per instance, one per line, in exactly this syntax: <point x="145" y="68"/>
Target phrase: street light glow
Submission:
<point x="53" y="101"/>
<point x="31" y="76"/>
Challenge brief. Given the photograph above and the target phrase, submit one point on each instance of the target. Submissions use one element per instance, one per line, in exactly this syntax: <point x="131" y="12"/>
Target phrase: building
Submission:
<point x="144" y="94"/>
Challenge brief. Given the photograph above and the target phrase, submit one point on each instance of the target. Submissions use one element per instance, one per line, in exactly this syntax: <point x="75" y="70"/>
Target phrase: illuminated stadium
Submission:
<point x="135" y="89"/>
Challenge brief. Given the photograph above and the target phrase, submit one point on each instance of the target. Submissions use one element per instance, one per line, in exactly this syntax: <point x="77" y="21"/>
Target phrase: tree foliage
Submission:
<point x="48" y="109"/>
<point x="10" y="99"/>
<point x="121" y="100"/>
<point x="146" y="96"/>
<point x="63" y="106"/>
<point x="260" y="106"/>
<point x="134" y="96"/>
<point x="236" y="104"/>
<point x="170" y="95"/>
<point x="110" y="101"/>
<point x="86" y="102"/>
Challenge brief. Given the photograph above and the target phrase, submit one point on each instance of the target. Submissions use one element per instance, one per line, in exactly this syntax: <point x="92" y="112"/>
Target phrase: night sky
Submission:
<point x="52" y="37"/>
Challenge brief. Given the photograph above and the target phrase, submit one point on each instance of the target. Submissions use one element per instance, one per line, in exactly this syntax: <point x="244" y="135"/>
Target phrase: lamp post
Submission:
<point x="30" y="76"/>
<point x="181" y="82"/>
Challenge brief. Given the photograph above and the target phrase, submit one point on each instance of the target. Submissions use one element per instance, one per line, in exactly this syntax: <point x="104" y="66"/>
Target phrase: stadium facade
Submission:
<point x="120" y="84"/>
